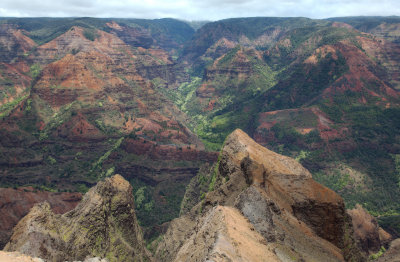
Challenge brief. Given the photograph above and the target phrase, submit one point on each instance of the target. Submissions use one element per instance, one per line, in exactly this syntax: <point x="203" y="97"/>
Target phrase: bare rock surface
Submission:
<point x="103" y="225"/>
<point x="17" y="257"/>
<point x="223" y="234"/>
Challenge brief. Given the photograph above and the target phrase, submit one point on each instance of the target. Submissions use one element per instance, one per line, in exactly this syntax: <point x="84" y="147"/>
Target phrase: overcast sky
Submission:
<point x="198" y="9"/>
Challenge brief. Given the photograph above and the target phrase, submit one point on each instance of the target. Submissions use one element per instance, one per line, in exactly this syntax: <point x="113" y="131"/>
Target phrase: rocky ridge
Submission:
<point x="295" y="216"/>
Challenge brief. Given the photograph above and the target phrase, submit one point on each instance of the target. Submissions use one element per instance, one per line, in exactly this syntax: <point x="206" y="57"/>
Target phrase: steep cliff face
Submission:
<point x="295" y="216"/>
<point x="104" y="224"/>
<point x="16" y="203"/>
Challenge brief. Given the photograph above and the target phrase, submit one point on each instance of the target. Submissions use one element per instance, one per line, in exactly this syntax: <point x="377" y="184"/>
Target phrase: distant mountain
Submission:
<point x="380" y="26"/>
<point x="166" y="32"/>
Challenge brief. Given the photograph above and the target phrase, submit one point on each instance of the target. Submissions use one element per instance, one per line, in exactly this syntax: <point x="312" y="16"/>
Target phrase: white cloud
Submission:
<point x="199" y="9"/>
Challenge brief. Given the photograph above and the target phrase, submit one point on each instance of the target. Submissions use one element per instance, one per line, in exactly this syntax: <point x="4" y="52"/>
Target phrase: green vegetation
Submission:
<point x="396" y="158"/>
<point x="178" y="31"/>
<point x="110" y="172"/>
<point x="336" y="181"/>
<point x="90" y="34"/>
<point x="227" y="58"/>
<point x="97" y="165"/>
<point x="156" y="205"/>
<point x="390" y="223"/>
<point x="82" y="188"/>
<point x="302" y="155"/>
<point x="56" y="120"/>
<point x="7" y="88"/>
<point x="51" y="160"/>
<point x="6" y="109"/>
<point x="35" y="70"/>
<point x="212" y="183"/>
<point x="377" y="255"/>
<point x="373" y="129"/>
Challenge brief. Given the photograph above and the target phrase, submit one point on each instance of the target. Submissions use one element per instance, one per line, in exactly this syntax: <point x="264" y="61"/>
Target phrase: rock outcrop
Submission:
<point x="278" y="199"/>
<point x="103" y="225"/>
<point x="367" y="232"/>
<point x="287" y="183"/>
<point x="16" y="203"/>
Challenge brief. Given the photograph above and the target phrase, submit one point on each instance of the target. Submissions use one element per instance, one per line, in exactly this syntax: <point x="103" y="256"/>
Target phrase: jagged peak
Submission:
<point x="103" y="225"/>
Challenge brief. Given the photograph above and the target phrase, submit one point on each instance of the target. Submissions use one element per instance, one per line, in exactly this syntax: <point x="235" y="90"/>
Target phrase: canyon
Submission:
<point x="83" y="99"/>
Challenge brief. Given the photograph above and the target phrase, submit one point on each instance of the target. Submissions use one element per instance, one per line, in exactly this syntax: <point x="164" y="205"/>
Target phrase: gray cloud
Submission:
<point x="198" y="9"/>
